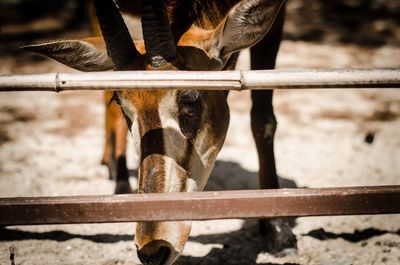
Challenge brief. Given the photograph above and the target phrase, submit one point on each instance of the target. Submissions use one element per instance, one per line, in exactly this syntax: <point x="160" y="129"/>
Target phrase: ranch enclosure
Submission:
<point x="51" y="144"/>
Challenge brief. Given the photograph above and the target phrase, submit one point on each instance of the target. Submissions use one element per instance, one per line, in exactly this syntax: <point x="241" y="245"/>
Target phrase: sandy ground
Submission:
<point x="51" y="144"/>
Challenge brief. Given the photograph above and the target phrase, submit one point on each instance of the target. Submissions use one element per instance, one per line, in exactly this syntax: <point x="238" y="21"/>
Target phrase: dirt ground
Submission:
<point x="51" y="144"/>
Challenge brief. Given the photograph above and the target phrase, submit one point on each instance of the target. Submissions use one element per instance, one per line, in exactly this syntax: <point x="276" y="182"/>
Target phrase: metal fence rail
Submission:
<point x="204" y="205"/>
<point x="200" y="205"/>
<point x="207" y="80"/>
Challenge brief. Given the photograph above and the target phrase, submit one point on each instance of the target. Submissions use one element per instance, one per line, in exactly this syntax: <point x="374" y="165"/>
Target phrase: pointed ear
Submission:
<point x="246" y="24"/>
<point x="86" y="55"/>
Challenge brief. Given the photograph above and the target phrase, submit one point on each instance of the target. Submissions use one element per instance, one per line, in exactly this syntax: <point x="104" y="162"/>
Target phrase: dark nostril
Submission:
<point x="154" y="253"/>
<point x="165" y="252"/>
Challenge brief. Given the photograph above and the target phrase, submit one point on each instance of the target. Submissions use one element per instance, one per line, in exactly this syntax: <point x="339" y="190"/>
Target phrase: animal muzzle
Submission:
<point x="161" y="242"/>
<point x="155" y="252"/>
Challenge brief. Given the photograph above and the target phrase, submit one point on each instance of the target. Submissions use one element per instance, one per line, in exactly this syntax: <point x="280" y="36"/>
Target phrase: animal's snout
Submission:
<point x="155" y="252"/>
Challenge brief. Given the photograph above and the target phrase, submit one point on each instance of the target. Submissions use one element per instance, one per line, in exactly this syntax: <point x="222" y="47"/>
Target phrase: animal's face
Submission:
<point x="178" y="134"/>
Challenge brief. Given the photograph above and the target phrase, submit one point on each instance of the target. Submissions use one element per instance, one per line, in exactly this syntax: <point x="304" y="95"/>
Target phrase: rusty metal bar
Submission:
<point x="200" y="205"/>
<point x="206" y="80"/>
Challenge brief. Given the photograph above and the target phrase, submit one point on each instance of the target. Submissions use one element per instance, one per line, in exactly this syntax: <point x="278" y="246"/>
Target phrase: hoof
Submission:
<point x="123" y="187"/>
<point x="280" y="239"/>
<point x="112" y="171"/>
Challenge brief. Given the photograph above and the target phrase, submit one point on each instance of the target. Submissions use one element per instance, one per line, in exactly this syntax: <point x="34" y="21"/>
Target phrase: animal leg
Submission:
<point x="109" y="143"/>
<point x="263" y="125"/>
<point x="114" y="156"/>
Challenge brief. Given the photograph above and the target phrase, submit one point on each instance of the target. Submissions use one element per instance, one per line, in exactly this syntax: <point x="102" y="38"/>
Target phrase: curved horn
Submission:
<point x="119" y="43"/>
<point x="160" y="46"/>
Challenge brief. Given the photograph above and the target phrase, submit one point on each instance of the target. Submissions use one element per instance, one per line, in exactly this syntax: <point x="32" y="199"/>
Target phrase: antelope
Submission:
<point x="178" y="134"/>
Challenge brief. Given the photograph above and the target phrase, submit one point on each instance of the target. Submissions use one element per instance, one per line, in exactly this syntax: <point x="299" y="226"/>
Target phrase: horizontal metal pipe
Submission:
<point x="200" y="205"/>
<point x="206" y="80"/>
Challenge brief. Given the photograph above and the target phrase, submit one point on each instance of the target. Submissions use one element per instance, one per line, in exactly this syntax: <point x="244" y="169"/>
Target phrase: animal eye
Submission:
<point x="190" y="110"/>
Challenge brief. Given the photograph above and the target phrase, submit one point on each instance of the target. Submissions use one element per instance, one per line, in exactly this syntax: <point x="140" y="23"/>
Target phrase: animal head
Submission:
<point x="178" y="134"/>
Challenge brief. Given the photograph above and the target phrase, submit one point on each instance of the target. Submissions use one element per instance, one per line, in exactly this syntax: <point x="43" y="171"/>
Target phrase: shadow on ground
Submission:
<point x="226" y="175"/>
<point x="8" y="234"/>
<point x="232" y="251"/>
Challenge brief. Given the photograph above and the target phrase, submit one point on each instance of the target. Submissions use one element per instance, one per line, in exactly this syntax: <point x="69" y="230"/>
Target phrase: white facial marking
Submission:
<point x="129" y="110"/>
<point x="174" y="175"/>
<point x="206" y="152"/>
<point x="191" y="185"/>
<point x="175" y="143"/>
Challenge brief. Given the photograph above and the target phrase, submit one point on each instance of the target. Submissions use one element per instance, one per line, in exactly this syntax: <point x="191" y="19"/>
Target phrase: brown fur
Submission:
<point x="195" y="33"/>
<point x="181" y="133"/>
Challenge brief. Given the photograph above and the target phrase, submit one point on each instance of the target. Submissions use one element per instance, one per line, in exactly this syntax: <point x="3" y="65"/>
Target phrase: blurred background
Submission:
<point x="368" y="23"/>
<point x="51" y="144"/>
